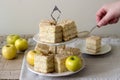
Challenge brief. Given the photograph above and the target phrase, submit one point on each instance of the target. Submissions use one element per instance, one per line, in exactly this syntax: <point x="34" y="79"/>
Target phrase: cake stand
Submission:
<point x="36" y="38"/>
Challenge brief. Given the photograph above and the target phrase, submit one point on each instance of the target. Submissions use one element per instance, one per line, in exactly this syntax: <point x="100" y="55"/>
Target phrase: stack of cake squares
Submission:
<point x="55" y="33"/>
<point x="43" y="60"/>
<point x="93" y="44"/>
<point x="52" y="58"/>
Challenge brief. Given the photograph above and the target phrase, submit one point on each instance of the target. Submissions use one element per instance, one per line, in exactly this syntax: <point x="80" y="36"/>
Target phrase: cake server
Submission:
<point x="52" y="13"/>
<point x="87" y="33"/>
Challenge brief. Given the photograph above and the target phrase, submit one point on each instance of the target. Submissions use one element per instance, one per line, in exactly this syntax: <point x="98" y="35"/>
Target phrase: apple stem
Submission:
<point x="8" y="46"/>
<point x="72" y="58"/>
<point x="34" y="51"/>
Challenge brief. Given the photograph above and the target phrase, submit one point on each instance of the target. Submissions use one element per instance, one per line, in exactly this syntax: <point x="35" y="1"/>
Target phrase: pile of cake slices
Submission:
<point x="52" y="58"/>
<point x="55" y="33"/>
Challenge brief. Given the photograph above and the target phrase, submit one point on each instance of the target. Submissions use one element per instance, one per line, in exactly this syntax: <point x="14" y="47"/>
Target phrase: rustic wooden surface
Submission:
<point x="10" y="69"/>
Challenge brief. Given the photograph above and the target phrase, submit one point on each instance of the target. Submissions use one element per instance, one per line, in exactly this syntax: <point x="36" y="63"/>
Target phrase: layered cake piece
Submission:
<point x="60" y="63"/>
<point x="69" y="29"/>
<point x="50" y="32"/>
<point x="93" y="44"/>
<point x="72" y="51"/>
<point x="44" y="63"/>
<point x="61" y="47"/>
<point x="42" y="48"/>
<point x="69" y="51"/>
<point x="47" y="49"/>
<point x="55" y="33"/>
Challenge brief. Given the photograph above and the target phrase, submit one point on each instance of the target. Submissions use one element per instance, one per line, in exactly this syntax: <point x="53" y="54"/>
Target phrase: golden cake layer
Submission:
<point x="93" y="50"/>
<point x="93" y="44"/>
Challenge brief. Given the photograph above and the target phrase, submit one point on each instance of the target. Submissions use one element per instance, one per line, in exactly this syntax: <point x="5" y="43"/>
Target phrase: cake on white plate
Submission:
<point x="69" y="51"/>
<point x="48" y="61"/>
<point x="44" y="63"/>
<point x="42" y="48"/>
<point x="46" y="49"/>
<point x="93" y="44"/>
<point x="69" y="29"/>
<point x="55" y="33"/>
<point x="60" y="63"/>
<point x="50" y="32"/>
<point x="52" y="58"/>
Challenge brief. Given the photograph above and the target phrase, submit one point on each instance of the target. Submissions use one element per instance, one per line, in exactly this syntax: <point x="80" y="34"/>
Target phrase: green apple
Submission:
<point x="30" y="57"/>
<point x="73" y="63"/>
<point x="12" y="38"/>
<point x="9" y="51"/>
<point x="21" y="44"/>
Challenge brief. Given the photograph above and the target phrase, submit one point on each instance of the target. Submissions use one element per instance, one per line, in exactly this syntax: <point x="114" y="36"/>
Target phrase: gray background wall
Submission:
<point x="23" y="16"/>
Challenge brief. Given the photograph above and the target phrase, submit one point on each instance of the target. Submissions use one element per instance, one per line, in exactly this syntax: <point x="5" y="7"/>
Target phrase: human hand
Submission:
<point x="108" y="14"/>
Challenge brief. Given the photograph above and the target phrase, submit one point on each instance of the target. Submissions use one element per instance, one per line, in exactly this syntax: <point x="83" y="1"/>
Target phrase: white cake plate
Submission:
<point x="105" y="48"/>
<point x="54" y="74"/>
<point x="37" y="39"/>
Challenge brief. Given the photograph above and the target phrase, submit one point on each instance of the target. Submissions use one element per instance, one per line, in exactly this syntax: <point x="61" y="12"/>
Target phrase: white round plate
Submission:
<point x="37" y="39"/>
<point x="31" y="68"/>
<point x="105" y="48"/>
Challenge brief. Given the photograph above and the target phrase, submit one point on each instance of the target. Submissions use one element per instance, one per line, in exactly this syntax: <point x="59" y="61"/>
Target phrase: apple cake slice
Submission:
<point x="44" y="63"/>
<point x="50" y="32"/>
<point x="47" y="49"/>
<point x="93" y="44"/>
<point x="42" y="48"/>
<point x="60" y="63"/>
<point x="69" y="29"/>
<point x="69" y="51"/>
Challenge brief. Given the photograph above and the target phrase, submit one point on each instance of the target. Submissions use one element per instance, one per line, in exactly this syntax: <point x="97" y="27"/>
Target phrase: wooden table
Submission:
<point x="10" y="69"/>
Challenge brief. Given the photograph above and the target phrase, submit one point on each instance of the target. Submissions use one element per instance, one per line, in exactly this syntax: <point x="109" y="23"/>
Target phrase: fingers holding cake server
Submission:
<point x="108" y="14"/>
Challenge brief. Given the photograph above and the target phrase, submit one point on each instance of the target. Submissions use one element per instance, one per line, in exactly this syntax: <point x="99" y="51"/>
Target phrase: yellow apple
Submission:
<point x="12" y="38"/>
<point x="9" y="51"/>
<point x="21" y="44"/>
<point x="73" y="63"/>
<point x="30" y="57"/>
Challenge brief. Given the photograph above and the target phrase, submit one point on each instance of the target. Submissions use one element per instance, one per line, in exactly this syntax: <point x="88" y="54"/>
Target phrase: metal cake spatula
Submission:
<point x="87" y="33"/>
